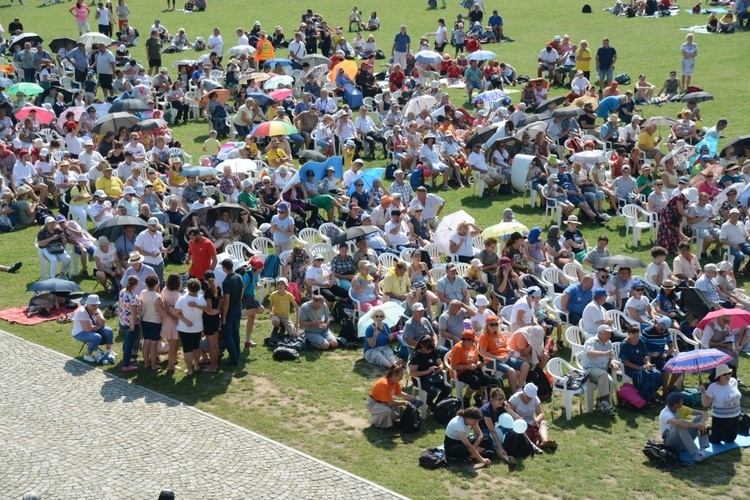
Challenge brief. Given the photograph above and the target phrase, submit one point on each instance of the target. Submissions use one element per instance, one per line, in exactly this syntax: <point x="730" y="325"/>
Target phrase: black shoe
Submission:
<point x="488" y="454"/>
<point x="478" y="400"/>
<point x="466" y="403"/>
<point x="612" y="212"/>
<point x="15" y="267"/>
<point x="704" y="256"/>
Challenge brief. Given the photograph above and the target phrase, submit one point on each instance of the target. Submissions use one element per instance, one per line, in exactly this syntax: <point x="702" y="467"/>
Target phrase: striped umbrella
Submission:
<point x="697" y="361"/>
<point x="274" y="128"/>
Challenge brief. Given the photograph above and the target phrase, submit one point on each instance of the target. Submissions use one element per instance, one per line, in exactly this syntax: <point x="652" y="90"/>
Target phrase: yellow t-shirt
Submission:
<point x="349" y="155"/>
<point x="274" y="154"/>
<point x="271" y="113"/>
<point x="212" y="146"/>
<point x="112" y="186"/>
<point x="395" y="285"/>
<point x="159" y="186"/>
<point x="281" y="305"/>
<point x="583" y="65"/>
<point x="645" y="140"/>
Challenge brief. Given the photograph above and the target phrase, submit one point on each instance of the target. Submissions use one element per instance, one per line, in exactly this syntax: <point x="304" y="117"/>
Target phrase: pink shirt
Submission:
<point x="82" y="13"/>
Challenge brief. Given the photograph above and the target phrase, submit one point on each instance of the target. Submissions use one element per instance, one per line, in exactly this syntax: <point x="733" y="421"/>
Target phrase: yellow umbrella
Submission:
<point x="504" y="229"/>
<point x="350" y="68"/>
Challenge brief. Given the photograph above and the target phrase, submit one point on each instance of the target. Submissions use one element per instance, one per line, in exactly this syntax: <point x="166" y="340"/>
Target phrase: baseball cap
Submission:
<point x="600" y="292"/>
<point x="153" y="221"/>
<point x="508" y="212"/>
<point x="417" y="307"/>
<point x="674" y="398"/>
<point x="534" y="291"/>
<point x="283" y="207"/>
<point x="468" y="335"/>
<point x="604" y="328"/>
<point x="665" y="322"/>
<point x="711" y="267"/>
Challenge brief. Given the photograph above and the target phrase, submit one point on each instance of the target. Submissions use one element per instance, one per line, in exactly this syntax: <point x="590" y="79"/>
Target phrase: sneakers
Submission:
<point x="15" y="267"/>
<point x="698" y="456"/>
<point x="89" y="358"/>
<point x="250" y="344"/>
<point x="129" y="368"/>
<point x="606" y="407"/>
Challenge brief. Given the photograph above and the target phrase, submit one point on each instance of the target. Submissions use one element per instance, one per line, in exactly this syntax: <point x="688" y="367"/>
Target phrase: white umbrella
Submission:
<point x="274" y="82"/>
<point x="93" y="38"/>
<point x="417" y="104"/>
<point x="595" y="156"/>
<point x="292" y="181"/>
<point x="722" y="197"/>
<point x="482" y="55"/>
<point x="315" y="60"/>
<point x="448" y="226"/>
<point x="532" y="129"/>
<point x="438" y="112"/>
<point x="392" y="310"/>
<point x="238" y="50"/>
<point x="239" y="166"/>
<point x="428" y="57"/>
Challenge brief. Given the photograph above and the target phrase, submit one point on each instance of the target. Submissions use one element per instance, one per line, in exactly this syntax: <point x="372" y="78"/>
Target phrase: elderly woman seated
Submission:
<point x="90" y="326"/>
<point x="365" y="289"/>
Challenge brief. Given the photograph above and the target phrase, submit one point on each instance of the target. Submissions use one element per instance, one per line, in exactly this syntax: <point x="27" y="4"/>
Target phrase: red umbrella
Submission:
<point x="281" y="94"/>
<point x="42" y="114"/>
<point x="740" y="318"/>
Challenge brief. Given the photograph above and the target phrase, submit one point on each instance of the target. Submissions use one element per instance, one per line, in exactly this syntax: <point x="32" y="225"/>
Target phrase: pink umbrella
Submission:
<point x="740" y="318"/>
<point x="78" y="112"/>
<point x="281" y="94"/>
<point x="42" y="114"/>
<point x="230" y="146"/>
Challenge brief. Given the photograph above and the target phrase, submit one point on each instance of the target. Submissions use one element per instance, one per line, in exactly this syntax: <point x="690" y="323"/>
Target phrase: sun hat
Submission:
<point x="93" y="300"/>
<point x="318" y="256"/>
<point x="691" y="194"/>
<point x="468" y="335"/>
<point x="724" y="266"/>
<point x="722" y="370"/>
<point x="530" y="390"/>
<point x="282" y="280"/>
<point x="572" y="219"/>
<point x="135" y="257"/>
<point x="481" y="301"/>
<point x="667" y="284"/>
<point x="711" y="267"/>
<point x="102" y="241"/>
<point x="128" y="190"/>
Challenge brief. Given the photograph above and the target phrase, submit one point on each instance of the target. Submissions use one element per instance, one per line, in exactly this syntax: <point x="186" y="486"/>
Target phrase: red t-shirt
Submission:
<point x="201" y="252"/>
<point x="455" y="72"/>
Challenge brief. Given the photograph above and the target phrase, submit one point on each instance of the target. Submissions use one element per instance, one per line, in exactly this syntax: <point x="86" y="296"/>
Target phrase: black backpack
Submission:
<point x="445" y="410"/>
<point x="432" y="459"/>
<point x="664" y="457"/>
<point x="283" y="353"/>
<point x="537" y="376"/>
<point x="517" y="445"/>
<point x="586" y="9"/>
<point x="623" y="79"/>
<point x="390" y="171"/>
<point x="411" y="420"/>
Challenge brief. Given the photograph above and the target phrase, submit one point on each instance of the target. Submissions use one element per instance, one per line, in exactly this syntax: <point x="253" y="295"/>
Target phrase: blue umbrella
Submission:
<point x="274" y="62"/>
<point x="54" y="285"/>
<point x="367" y="177"/>
<point x="320" y="168"/>
<point x="428" y="57"/>
<point x="199" y="172"/>
<point x="482" y="55"/>
<point x="262" y="98"/>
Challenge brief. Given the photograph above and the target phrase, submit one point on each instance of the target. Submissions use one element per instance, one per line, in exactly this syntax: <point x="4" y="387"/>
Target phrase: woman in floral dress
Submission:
<point x="670" y="219"/>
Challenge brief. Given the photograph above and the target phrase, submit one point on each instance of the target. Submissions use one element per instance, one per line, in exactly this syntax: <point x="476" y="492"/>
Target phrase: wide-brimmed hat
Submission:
<point x="135" y="258"/>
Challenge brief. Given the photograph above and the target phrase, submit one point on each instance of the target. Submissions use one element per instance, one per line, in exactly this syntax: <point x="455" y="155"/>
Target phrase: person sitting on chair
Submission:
<point x="90" y="326"/>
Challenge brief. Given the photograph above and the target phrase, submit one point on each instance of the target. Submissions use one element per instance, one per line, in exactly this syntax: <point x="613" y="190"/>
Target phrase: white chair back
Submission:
<point x="262" y="245"/>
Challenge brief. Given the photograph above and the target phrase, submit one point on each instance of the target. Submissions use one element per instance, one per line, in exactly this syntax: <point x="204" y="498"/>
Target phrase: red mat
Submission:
<point x="18" y="315"/>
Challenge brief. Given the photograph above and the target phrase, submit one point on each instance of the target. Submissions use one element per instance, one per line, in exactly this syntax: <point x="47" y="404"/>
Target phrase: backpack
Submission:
<point x="105" y="357"/>
<point x="530" y="280"/>
<point x="623" y="79"/>
<point x="271" y="267"/>
<point x="573" y="381"/>
<point x="416" y="178"/>
<point x="517" y="445"/>
<point x="42" y="213"/>
<point x="586" y="9"/>
<point x="411" y="419"/>
<point x="433" y="458"/>
<point x="445" y="410"/>
<point x="539" y="378"/>
<point x="629" y="396"/>
<point x="744" y="425"/>
<point x="692" y="397"/>
<point x="390" y="170"/>
<point x="283" y="353"/>
<point x="664" y="457"/>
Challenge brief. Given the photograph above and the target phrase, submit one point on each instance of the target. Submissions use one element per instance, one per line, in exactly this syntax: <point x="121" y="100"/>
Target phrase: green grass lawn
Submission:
<point x="317" y="405"/>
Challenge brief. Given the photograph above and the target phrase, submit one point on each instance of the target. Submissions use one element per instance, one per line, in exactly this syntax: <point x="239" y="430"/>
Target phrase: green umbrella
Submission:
<point x="25" y="87"/>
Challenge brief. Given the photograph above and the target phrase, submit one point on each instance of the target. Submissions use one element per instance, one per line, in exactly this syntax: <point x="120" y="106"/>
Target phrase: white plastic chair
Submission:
<point x="262" y="246"/>
<point x="239" y="251"/>
<point x="505" y="316"/>
<point x="436" y="273"/>
<point x="324" y="249"/>
<point x="559" y="369"/>
<point x="478" y="243"/>
<point x="552" y="209"/>
<point x="462" y="268"/>
<point x="570" y="270"/>
<point x="308" y="237"/>
<point x="575" y="338"/>
<point x="550" y="276"/>
<point x="328" y="227"/>
<point x="531" y="193"/>
<point x="619" y="318"/>
<point x="590" y="387"/>
<point x="420" y="393"/>
<point x="557" y="307"/>
<point x="433" y="250"/>
<point x="186" y="158"/>
<point x="387" y="260"/>
<point x="454" y="377"/>
<point x="284" y="261"/>
<point x="632" y="214"/>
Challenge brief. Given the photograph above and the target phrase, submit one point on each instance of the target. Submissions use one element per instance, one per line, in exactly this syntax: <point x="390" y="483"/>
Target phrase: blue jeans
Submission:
<point x="297" y="142"/>
<point x="131" y="336"/>
<point x="739" y="255"/>
<point x="242" y="130"/>
<point x="232" y="333"/>
<point x="104" y="335"/>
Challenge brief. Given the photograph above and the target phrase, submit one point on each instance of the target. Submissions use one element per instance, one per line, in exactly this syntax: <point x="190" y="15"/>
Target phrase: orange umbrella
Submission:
<point x="700" y="177"/>
<point x="350" y="68"/>
<point x="223" y="96"/>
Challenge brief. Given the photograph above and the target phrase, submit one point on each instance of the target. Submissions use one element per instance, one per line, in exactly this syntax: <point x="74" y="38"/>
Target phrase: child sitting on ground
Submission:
<point x="282" y="302"/>
<point x="211" y="145"/>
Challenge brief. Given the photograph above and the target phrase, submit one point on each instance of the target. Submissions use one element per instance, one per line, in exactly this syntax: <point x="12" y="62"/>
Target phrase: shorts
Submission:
<point x="150" y="331"/>
<point x="190" y="341"/>
<point x="607" y="74"/>
<point x="83" y="26"/>
<point x="317" y="338"/>
<point x="89" y="250"/>
<point x="473" y="85"/>
<point x="154" y="63"/>
<point x="515" y="363"/>
<point x="249" y="302"/>
<point x="105" y="81"/>
<point x="283" y="246"/>
<point x="703" y="232"/>
<point x="475" y="379"/>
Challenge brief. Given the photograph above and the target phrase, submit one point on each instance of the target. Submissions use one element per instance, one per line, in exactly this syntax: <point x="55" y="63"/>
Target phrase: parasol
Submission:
<point x="447" y="228"/>
<point x="391" y="310"/>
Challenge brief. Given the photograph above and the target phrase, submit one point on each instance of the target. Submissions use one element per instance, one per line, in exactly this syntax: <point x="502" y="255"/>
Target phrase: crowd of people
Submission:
<point x="478" y="316"/>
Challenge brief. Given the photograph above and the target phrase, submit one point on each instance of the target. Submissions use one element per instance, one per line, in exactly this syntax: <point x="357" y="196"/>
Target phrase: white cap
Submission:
<point x="481" y="301"/>
<point x="418" y="306"/>
<point x="153" y="221"/>
<point x="247" y="183"/>
<point x="530" y="390"/>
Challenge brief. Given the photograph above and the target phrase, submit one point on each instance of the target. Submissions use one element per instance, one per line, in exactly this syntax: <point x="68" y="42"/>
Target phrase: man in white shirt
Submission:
<point x="149" y="243"/>
<point x="125" y="168"/>
<point x="297" y="51"/>
<point x="325" y="104"/>
<point x="431" y="204"/>
<point x="702" y="220"/>
<point x="353" y="172"/>
<point x="734" y="235"/>
<point x="397" y="232"/>
<point x="216" y="43"/>
<point x="136" y="148"/>
<point x="632" y="129"/>
<point x="201" y="202"/>
<point x="90" y="158"/>
<point x="242" y="37"/>
<point x="658" y="270"/>
<point x="101" y="210"/>
<point x="477" y="162"/>
<point x="524" y="309"/>
<point x="680" y="433"/>
<point x="547" y="61"/>
<point x="580" y="84"/>
<point x="369" y="132"/>
<point x="594" y="314"/>
<point x="381" y="214"/>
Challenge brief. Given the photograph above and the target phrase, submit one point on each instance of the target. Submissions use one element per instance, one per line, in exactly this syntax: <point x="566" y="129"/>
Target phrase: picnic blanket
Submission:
<point x="740" y="442"/>
<point x="705" y="12"/>
<point x="19" y="315"/>
<point x="699" y="29"/>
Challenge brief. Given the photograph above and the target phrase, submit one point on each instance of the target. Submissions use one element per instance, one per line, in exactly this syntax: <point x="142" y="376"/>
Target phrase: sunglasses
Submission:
<point x="358" y="185"/>
<point x="379" y="317"/>
<point x="638" y="289"/>
<point x="492" y="324"/>
<point x="659" y="183"/>
<point x="733" y="194"/>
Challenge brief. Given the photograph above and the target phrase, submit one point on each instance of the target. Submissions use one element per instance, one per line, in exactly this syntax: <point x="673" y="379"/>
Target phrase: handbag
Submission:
<point x="55" y="248"/>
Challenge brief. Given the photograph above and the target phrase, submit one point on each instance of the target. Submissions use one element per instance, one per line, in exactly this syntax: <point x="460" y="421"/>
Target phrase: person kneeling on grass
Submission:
<point x="314" y="318"/>
<point x="457" y="444"/>
<point x="679" y="431"/>
<point x="90" y="326"/>
<point x="382" y="404"/>
<point x="282" y="302"/>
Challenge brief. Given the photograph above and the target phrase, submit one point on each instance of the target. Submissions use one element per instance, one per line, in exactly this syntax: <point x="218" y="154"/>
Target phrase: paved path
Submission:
<point x="73" y="432"/>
